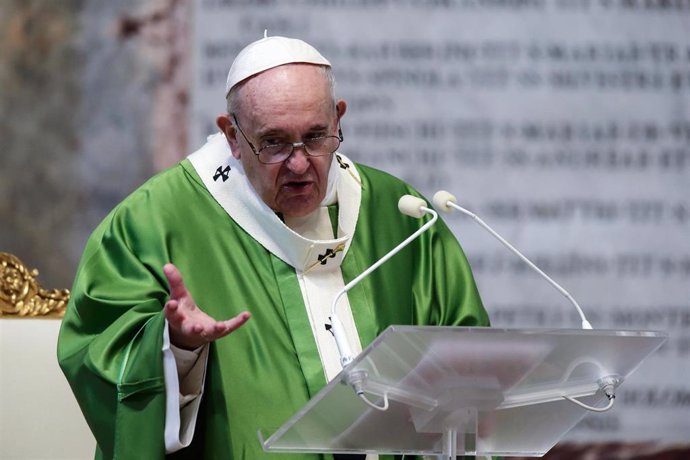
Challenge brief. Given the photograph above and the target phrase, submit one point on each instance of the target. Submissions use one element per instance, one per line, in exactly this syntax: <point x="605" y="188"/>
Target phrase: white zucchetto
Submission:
<point x="271" y="52"/>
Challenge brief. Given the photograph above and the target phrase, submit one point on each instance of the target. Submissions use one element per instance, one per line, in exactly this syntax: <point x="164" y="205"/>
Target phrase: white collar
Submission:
<point x="227" y="182"/>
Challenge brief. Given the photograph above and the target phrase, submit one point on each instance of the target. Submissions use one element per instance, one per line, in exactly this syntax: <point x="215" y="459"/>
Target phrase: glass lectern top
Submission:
<point x="475" y="391"/>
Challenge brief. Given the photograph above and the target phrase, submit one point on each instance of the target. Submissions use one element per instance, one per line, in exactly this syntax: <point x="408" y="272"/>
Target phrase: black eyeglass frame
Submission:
<point x="293" y="145"/>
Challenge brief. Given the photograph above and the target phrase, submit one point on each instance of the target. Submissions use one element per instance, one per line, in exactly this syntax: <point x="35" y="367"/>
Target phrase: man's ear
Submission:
<point x="340" y="108"/>
<point x="225" y="124"/>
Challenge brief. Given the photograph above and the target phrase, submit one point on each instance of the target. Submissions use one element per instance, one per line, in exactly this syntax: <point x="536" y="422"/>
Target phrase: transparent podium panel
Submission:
<point x="452" y="390"/>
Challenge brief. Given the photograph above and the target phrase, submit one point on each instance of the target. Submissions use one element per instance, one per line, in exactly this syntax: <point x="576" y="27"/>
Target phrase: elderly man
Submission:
<point x="267" y="216"/>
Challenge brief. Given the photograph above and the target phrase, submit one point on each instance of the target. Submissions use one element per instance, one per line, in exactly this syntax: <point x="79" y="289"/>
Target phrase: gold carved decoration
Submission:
<point x="21" y="295"/>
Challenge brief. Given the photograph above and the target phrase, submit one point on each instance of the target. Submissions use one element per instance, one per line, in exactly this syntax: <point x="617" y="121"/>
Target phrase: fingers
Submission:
<point x="215" y="330"/>
<point x="191" y="331"/>
<point x="172" y="312"/>
<point x="235" y="323"/>
<point x="175" y="281"/>
<point x="223" y="328"/>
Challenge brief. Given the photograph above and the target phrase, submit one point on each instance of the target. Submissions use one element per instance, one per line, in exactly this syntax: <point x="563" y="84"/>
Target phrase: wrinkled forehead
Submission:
<point x="290" y="87"/>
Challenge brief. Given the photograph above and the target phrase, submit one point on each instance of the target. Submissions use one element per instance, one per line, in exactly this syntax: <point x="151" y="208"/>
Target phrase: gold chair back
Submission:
<point x="22" y="296"/>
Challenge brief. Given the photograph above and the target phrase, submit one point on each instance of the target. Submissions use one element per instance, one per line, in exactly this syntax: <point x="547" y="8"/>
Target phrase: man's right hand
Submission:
<point x="189" y="326"/>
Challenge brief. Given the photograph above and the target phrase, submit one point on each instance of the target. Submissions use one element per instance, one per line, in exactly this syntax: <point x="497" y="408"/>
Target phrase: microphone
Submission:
<point x="446" y="202"/>
<point x="410" y="206"/>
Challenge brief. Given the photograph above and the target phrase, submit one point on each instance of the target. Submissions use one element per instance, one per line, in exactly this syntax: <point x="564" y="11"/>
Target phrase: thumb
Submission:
<point x="175" y="281"/>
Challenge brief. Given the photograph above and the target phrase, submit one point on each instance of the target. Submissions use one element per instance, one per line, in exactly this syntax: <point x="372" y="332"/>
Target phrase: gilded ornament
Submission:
<point x="22" y="296"/>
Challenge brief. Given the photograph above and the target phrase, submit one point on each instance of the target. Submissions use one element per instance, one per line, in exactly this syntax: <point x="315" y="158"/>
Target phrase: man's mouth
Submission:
<point x="297" y="186"/>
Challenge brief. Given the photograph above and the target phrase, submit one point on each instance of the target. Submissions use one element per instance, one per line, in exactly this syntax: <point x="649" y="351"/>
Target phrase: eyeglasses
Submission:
<point x="272" y="153"/>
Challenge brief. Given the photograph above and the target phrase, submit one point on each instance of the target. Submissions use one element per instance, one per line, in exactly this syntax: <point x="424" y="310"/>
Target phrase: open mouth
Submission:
<point x="297" y="186"/>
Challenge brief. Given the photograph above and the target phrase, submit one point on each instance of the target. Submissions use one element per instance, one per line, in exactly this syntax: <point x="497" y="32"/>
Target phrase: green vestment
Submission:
<point x="259" y="376"/>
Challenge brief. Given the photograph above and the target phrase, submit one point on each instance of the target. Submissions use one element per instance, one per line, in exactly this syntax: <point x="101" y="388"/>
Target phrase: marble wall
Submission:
<point x="93" y="98"/>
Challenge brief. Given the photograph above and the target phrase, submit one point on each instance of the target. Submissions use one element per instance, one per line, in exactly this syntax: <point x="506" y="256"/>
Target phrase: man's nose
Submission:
<point x="298" y="161"/>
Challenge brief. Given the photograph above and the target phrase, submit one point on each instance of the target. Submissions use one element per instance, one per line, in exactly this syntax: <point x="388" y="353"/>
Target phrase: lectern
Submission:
<point x="454" y="390"/>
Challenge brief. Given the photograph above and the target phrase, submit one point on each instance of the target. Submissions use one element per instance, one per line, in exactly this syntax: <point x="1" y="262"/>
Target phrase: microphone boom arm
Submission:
<point x="336" y="326"/>
<point x="447" y="200"/>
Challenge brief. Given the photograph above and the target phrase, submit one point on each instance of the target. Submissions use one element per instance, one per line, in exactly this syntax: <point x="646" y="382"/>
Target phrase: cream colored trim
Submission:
<point x="309" y="246"/>
<point x="180" y="420"/>
<point x="241" y="202"/>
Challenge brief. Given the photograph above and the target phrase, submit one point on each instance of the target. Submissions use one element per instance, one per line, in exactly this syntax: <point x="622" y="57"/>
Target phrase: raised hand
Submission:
<point x="189" y="326"/>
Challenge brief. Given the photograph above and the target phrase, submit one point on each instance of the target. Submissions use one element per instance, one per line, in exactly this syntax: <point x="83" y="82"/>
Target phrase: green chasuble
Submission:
<point x="260" y="375"/>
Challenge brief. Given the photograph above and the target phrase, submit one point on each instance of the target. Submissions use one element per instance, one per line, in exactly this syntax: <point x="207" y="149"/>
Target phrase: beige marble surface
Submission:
<point x="39" y="417"/>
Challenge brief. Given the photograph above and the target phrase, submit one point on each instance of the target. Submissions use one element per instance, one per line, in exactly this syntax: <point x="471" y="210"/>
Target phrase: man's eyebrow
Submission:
<point x="271" y="132"/>
<point x="277" y="132"/>
<point x="318" y="127"/>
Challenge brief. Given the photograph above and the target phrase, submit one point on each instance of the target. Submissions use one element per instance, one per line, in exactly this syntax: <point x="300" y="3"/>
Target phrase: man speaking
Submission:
<point x="267" y="219"/>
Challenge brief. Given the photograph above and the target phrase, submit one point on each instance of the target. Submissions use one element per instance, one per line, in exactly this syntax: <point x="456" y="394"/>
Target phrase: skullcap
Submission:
<point x="271" y="52"/>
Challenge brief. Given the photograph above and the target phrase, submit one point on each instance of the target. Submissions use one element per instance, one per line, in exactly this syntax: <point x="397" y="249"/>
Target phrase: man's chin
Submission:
<point x="299" y="205"/>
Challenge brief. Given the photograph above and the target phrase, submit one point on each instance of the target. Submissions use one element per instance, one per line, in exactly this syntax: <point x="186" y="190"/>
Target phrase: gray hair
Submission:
<point x="233" y="100"/>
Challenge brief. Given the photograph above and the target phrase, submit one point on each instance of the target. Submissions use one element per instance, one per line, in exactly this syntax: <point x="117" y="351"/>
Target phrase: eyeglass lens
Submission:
<point x="315" y="147"/>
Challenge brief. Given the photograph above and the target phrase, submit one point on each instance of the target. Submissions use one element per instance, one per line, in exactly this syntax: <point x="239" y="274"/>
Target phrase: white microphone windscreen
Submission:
<point x="411" y="206"/>
<point x="441" y="199"/>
